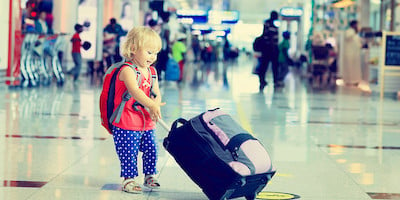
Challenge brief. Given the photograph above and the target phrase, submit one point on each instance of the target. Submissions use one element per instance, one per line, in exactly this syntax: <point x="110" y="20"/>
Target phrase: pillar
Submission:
<point x="4" y="33"/>
<point x="365" y="13"/>
<point x="382" y="16"/>
<point x="15" y="38"/>
<point x="65" y="14"/>
<point x="392" y="14"/>
<point x="138" y="12"/>
<point x="99" y="31"/>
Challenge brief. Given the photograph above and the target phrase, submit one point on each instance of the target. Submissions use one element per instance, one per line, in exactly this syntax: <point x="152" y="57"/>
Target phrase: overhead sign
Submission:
<point x="291" y="13"/>
<point x="191" y="16"/>
<point x="196" y="16"/>
<point x="223" y="17"/>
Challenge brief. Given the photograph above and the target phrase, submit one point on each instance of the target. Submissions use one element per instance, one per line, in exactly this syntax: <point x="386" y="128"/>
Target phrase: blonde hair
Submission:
<point x="318" y="39"/>
<point x="138" y="38"/>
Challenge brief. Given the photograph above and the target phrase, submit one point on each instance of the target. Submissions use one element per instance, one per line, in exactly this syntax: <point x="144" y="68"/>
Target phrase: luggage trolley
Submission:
<point x="38" y="60"/>
<point x="54" y="44"/>
<point x="29" y="74"/>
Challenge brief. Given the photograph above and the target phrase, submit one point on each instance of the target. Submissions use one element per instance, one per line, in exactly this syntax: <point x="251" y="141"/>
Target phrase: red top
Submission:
<point x="131" y="119"/>
<point x="76" y="43"/>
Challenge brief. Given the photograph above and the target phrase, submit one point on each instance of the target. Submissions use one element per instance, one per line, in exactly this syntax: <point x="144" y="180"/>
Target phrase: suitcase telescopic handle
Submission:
<point x="164" y="125"/>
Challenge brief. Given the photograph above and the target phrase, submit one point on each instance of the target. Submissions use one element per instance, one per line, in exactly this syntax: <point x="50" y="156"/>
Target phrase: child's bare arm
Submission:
<point x="157" y="100"/>
<point x="128" y="76"/>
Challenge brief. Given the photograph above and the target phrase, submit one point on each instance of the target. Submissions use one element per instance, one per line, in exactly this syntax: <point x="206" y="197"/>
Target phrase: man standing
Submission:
<point x="162" y="56"/>
<point x="179" y="53"/>
<point x="76" y="52"/>
<point x="114" y="28"/>
<point x="267" y="44"/>
<point x="351" y="73"/>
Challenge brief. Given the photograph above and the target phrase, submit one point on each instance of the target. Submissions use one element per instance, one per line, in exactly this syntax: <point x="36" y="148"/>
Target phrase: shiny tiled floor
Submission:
<point x="338" y="144"/>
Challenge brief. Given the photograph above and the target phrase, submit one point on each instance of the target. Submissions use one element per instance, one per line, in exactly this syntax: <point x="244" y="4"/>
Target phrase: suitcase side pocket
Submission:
<point x="247" y="151"/>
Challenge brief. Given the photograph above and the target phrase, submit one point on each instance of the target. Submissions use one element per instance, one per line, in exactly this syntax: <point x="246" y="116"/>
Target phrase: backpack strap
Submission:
<point x="153" y="80"/>
<point x="153" y="74"/>
<point x="116" y="115"/>
<point x="118" y="112"/>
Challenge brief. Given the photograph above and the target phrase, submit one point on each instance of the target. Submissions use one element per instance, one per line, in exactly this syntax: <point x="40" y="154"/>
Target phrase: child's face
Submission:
<point x="145" y="56"/>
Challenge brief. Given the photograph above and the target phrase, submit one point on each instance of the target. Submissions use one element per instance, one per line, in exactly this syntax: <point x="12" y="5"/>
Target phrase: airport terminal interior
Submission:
<point x="327" y="139"/>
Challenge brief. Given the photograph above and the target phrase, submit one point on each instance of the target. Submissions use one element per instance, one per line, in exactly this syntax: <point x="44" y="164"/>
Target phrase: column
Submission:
<point x="15" y="38"/>
<point x="365" y="13"/>
<point x="129" y="14"/>
<point x="4" y="33"/>
<point x="392" y="14"/>
<point x="65" y="14"/>
<point x="364" y="21"/>
<point x="138" y="13"/>
<point x="99" y="30"/>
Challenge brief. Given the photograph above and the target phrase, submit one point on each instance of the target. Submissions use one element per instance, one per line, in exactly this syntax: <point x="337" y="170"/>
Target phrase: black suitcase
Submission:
<point x="196" y="153"/>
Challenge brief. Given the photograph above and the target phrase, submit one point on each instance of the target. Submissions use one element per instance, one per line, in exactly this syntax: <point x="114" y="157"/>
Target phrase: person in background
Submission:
<point x="28" y="21"/>
<point x="352" y="55"/>
<point x="318" y="39"/>
<point x="163" y="55"/>
<point x="267" y="44"/>
<point x="76" y="52"/>
<point x="49" y="22"/>
<point x="196" y="47"/>
<point x="332" y="64"/>
<point x="41" y="24"/>
<point x="109" y="46"/>
<point x="179" y="53"/>
<point x="227" y="50"/>
<point x="114" y="28"/>
<point x="283" y="58"/>
<point x="153" y="24"/>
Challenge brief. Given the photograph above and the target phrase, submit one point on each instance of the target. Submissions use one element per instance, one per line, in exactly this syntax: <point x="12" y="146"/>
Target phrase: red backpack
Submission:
<point x="107" y="112"/>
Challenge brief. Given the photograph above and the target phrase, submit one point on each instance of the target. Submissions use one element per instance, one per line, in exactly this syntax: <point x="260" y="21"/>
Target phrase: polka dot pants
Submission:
<point x="128" y="144"/>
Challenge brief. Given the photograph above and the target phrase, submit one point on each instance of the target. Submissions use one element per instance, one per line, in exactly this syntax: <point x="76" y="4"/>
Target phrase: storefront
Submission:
<point x="22" y="18"/>
<point x="331" y="19"/>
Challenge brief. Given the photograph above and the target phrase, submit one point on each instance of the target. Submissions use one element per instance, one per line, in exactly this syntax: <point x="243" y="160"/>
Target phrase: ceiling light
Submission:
<point x="342" y="3"/>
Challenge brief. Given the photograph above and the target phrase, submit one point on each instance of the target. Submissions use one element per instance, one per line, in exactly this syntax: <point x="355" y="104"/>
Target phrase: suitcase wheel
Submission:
<point x="166" y="143"/>
<point x="250" y="197"/>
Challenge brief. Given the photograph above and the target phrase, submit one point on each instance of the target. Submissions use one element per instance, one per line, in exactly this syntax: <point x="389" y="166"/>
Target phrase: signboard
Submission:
<point x="192" y="16"/>
<point x="390" y="57"/>
<point x="392" y="50"/>
<point x="290" y="13"/>
<point x="223" y="17"/>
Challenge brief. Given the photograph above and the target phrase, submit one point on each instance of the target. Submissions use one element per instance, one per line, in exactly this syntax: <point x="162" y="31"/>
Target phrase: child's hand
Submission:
<point x="155" y="111"/>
